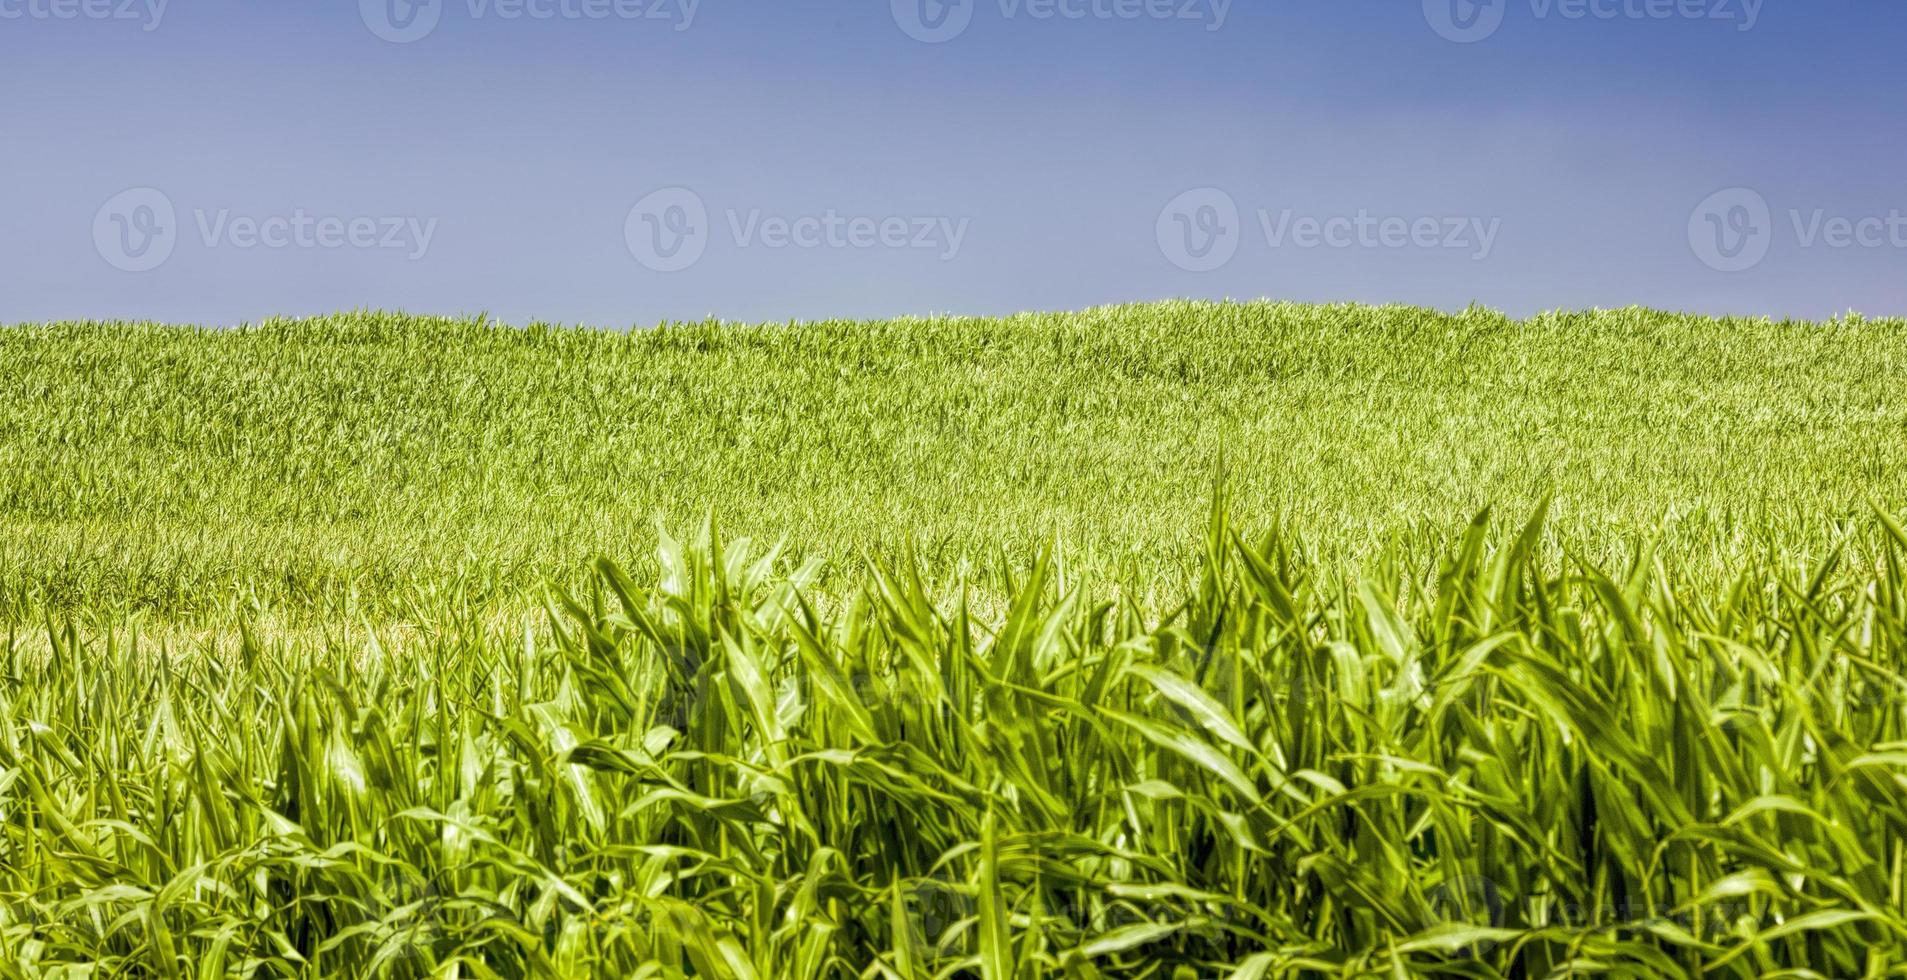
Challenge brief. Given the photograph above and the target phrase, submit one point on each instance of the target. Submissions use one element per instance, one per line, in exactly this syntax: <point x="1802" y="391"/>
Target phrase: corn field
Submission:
<point x="1487" y="757"/>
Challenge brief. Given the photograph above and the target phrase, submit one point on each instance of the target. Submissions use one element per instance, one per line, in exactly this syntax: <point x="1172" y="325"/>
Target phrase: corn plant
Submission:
<point x="1487" y="759"/>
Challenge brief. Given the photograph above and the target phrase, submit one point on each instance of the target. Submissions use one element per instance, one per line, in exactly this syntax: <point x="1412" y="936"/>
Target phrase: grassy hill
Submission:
<point x="364" y="461"/>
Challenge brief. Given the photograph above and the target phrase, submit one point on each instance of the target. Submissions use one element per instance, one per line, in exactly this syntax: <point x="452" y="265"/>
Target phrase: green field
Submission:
<point x="353" y="466"/>
<point x="1155" y="641"/>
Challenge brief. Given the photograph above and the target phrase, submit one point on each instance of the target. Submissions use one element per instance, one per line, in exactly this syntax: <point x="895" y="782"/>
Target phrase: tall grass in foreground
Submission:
<point x="1494" y="762"/>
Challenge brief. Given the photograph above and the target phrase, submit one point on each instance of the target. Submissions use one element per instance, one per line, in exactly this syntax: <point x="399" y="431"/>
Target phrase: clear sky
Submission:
<point x="623" y="162"/>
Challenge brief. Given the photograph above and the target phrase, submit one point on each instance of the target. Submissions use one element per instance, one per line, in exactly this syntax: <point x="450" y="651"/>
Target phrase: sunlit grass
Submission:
<point x="357" y="464"/>
<point x="1488" y="760"/>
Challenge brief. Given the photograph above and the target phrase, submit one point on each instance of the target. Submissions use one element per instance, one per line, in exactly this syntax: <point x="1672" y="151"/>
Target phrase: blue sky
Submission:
<point x="624" y="162"/>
